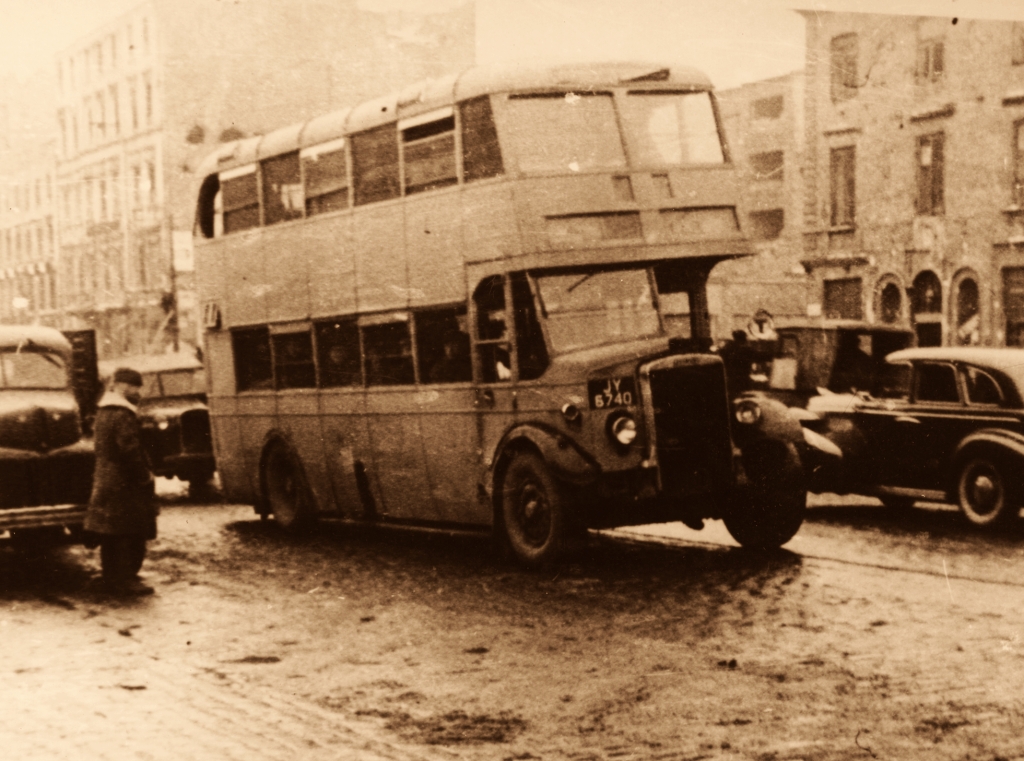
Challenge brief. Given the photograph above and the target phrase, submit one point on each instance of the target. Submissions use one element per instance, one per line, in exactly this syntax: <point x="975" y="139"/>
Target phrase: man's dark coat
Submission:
<point x="122" y="490"/>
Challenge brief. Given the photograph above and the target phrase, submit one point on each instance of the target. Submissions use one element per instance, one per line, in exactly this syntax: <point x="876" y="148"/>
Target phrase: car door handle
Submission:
<point x="484" y="398"/>
<point x="907" y="419"/>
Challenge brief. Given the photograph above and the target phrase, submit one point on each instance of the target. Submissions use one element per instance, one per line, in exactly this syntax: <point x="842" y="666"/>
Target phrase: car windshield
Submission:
<point x="671" y="129"/>
<point x="558" y="132"/>
<point x="589" y="309"/>
<point x="178" y="383"/>
<point x="32" y="369"/>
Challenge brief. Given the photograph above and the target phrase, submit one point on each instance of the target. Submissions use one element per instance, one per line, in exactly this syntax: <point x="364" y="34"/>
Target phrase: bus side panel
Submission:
<point x="433" y="240"/>
<point x="451" y="445"/>
<point x="378" y="239"/>
<point x="347" y="450"/>
<point x="256" y="416"/>
<point x="327" y="244"/>
<point x="287" y="272"/>
<point x="541" y="197"/>
<point x="231" y="465"/>
<point x="244" y="296"/>
<point x="489" y="229"/>
<point x="298" y="415"/>
<point x="211" y="274"/>
<point x="393" y="417"/>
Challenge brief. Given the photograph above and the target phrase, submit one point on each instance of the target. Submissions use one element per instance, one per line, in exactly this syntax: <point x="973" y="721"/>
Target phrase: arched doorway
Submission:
<point x="926" y="308"/>
<point x="888" y="300"/>
<point x="968" y="313"/>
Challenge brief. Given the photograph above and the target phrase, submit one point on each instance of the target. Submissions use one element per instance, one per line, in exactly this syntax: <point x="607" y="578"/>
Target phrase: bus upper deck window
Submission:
<point x="671" y="128"/>
<point x="326" y="177"/>
<point x="564" y="132"/>
<point x="481" y="154"/>
<point x="282" y="188"/>
<point x="428" y="151"/>
<point x="240" y="199"/>
<point x="375" y="165"/>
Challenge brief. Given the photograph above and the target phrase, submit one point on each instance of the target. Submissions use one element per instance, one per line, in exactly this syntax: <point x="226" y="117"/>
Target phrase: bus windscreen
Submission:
<point x="671" y="128"/>
<point x="560" y="131"/>
<point x="584" y="310"/>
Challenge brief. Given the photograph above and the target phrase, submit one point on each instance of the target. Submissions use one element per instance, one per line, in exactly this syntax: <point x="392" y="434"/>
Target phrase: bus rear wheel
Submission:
<point x="285" y="492"/>
<point x="535" y="511"/>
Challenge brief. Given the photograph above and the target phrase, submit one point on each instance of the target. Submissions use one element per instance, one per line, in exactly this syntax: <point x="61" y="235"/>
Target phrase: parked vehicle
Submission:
<point x="174" y="417"/>
<point x="838" y="356"/>
<point x="941" y="424"/>
<point x="48" y="393"/>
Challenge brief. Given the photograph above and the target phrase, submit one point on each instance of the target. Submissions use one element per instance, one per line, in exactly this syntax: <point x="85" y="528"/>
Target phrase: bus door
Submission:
<point x="393" y="416"/>
<point x="447" y="400"/>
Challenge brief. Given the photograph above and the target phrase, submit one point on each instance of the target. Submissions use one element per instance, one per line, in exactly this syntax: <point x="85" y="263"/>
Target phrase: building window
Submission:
<point x="767" y="166"/>
<point x="147" y="85"/>
<point x="844" y="67"/>
<point x="115" y="110"/>
<point x="843" y="187"/>
<point x="930" y="60"/>
<point x="930" y="174"/>
<point x="968" y="315"/>
<point x="1013" y="305"/>
<point x="1017" y="44"/>
<point x="767" y="108"/>
<point x="767" y="225"/>
<point x="890" y="303"/>
<point x="926" y="306"/>
<point x="842" y="299"/>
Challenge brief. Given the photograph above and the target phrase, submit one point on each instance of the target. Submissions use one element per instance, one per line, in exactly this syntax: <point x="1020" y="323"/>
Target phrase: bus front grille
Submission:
<point x="691" y="437"/>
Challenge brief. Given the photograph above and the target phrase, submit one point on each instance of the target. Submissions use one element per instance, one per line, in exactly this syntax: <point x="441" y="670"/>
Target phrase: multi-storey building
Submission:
<point x="28" y="242"/>
<point x="914" y="170"/>
<point x="764" y="127"/>
<point x="144" y="98"/>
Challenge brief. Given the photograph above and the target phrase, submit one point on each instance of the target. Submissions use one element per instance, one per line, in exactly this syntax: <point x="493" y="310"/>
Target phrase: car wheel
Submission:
<point x="983" y="494"/>
<point x="285" y="491"/>
<point x="769" y="511"/>
<point x="535" y="511"/>
<point x="897" y="503"/>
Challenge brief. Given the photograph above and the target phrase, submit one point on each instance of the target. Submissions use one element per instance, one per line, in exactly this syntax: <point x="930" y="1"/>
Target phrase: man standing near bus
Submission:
<point x="122" y="509"/>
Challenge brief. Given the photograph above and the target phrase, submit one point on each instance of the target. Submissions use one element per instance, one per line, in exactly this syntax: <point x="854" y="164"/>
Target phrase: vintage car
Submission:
<point x="173" y="414"/>
<point x="941" y="424"/>
<point x="46" y="457"/>
<point x="839" y="356"/>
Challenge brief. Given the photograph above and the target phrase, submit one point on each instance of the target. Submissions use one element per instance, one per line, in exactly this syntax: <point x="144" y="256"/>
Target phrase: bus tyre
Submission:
<point x="768" y="512"/>
<point x="983" y="492"/>
<point x="285" y="492"/>
<point x="535" y="511"/>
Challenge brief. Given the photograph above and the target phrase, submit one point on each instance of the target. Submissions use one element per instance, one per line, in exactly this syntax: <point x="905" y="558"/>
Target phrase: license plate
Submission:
<point x="611" y="392"/>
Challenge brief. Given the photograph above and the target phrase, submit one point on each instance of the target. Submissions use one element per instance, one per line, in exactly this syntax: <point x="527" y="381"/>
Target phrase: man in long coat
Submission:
<point x="122" y="510"/>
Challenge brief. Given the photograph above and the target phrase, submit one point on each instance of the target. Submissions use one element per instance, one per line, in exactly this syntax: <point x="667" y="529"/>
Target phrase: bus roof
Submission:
<point x="435" y="93"/>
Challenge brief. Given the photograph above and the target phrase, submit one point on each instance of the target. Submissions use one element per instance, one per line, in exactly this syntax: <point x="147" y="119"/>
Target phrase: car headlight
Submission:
<point x="747" y="411"/>
<point x="622" y="428"/>
<point x="162" y="422"/>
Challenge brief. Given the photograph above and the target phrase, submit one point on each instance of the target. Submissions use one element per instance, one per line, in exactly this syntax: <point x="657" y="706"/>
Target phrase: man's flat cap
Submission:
<point x="127" y="375"/>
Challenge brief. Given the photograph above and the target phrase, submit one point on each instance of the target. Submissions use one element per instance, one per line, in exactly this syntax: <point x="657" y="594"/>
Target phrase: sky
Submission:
<point x="733" y="41"/>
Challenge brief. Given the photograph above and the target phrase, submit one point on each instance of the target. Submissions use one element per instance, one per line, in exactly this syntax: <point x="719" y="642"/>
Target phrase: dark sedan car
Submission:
<point x="942" y="424"/>
<point x="174" y="417"/>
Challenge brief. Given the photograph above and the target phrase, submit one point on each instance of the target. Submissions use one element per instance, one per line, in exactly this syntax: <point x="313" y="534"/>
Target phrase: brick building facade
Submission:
<point x="914" y="165"/>
<point x="764" y="127"/>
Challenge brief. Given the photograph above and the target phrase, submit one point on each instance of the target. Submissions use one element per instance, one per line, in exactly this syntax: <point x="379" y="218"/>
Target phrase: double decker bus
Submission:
<point x="480" y="303"/>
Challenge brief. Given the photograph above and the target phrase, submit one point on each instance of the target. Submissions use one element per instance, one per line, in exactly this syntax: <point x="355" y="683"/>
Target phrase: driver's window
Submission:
<point x="936" y="383"/>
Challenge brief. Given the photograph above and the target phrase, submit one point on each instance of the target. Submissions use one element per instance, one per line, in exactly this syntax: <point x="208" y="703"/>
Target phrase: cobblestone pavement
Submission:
<point x="79" y="682"/>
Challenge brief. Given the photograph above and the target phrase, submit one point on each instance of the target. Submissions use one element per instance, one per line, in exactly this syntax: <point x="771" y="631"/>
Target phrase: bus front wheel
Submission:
<point x="286" y="494"/>
<point x="535" y="511"/>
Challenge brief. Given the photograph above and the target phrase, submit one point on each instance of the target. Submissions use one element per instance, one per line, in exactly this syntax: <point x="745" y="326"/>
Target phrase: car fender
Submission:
<point x="776" y="423"/>
<point x="566" y="459"/>
<point x="1010" y="442"/>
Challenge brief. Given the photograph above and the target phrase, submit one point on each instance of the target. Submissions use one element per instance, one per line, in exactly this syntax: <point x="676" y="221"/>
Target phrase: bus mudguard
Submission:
<point x="565" y="458"/>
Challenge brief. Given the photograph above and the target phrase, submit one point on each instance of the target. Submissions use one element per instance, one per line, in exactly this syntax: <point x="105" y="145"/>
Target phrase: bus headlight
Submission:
<point x="622" y="429"/>
<point x="748" y="411"/>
